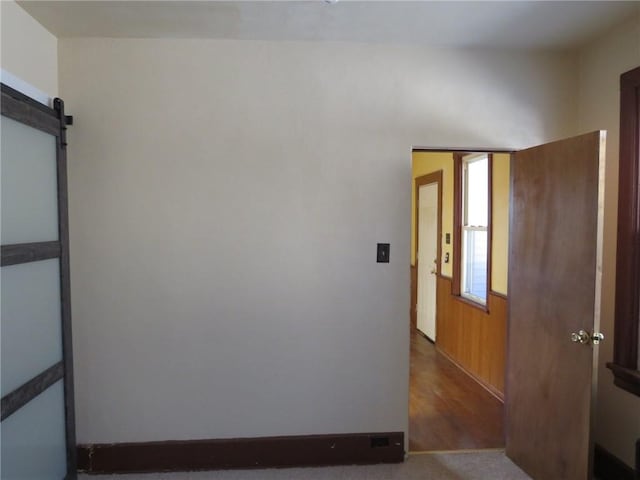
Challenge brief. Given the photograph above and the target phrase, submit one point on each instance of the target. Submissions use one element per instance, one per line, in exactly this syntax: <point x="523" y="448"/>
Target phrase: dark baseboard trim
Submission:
<point x="489" y="388"/>
<point x="638" y="459"/>
<point x="243" y="453"/>
<point x="606" y="466"/>
<point x="424" y="335"/>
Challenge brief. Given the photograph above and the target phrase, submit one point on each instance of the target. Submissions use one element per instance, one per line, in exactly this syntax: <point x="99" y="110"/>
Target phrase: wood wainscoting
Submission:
<point x="473" y="337"/>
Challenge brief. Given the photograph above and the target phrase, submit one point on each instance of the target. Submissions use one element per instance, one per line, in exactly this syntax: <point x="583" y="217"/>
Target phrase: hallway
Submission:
<point x="447" y="409"/>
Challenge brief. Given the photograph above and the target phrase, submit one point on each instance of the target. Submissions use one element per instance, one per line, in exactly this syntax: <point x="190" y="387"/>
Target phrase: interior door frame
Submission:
<point x="428" y="179"/>
<point x="24" y="109"/>
<point x="626" y="351"/>
<point x="413" y="268"/>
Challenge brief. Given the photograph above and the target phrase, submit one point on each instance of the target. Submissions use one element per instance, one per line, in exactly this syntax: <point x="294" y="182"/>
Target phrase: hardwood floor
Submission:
<point x="447" y="409"/>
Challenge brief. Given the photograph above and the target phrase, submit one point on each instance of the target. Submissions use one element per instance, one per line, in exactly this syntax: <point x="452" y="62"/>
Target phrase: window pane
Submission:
<point x="477" y="183"/>
<point x="33" y="439"/>
<point x="474" y="263"/>
<point x="29" y="184"/>
<point x="31" y="329"/>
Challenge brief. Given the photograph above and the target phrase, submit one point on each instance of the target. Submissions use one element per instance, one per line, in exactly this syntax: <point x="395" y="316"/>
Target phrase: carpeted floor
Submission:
<point x="477" y="465"/>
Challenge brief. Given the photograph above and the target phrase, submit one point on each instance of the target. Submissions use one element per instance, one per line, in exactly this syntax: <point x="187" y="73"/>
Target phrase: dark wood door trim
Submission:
<point x="627" y="312"/>
<point x="463" y="150"/>
<point x="430" y="178"/>
<point x="433" y="177"/>
<point x="457" y="226"/>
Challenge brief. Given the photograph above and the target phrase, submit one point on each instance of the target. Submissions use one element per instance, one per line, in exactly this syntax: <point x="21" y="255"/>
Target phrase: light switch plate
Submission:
<point x="383" y="253"/>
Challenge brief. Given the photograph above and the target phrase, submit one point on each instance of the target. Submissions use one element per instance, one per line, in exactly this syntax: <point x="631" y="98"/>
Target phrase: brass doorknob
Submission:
<point x="580" y="337"/>
<point x="584" y="337"/>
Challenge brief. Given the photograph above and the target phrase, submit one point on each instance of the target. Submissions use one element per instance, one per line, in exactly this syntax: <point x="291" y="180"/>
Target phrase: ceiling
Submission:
<point x="512" y="24"/>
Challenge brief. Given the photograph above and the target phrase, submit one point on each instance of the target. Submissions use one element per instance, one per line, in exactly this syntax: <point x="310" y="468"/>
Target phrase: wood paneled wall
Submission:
<point x="473" y="337"/>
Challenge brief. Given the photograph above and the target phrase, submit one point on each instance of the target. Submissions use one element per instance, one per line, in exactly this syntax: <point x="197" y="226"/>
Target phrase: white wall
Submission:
<point x="225" y="202"/>
<point x="600" y="67"/>
<point x="28" y="52"/>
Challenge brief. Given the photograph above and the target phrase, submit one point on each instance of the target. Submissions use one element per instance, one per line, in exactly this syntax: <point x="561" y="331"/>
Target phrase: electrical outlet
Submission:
<point x="377" y="442"/>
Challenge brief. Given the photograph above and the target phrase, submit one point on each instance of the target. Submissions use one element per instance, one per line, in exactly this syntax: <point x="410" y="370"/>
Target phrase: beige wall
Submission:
<point x="225" y="202"/>
<point x="28" y="51"/>
<point x="600" y="66"/>
<point x="165" y="229"/>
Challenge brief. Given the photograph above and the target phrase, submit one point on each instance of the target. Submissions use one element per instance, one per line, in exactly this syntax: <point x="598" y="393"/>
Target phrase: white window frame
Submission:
<point x="465" y="227"/>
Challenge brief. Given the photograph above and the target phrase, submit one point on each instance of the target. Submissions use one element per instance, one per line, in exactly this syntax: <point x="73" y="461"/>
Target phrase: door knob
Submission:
<point x="584" y="337"/>
<point x="580" y="337"/>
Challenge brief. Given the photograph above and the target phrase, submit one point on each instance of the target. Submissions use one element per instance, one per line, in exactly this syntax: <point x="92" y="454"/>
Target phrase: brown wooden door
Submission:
<point x="554" y="290"/>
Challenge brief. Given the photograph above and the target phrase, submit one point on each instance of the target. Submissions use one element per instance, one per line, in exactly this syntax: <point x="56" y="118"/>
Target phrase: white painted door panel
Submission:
<point x="427" y="258"/>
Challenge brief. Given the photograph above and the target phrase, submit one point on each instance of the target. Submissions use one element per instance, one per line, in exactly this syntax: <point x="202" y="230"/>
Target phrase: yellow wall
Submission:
<point x="423" y="164"/>
<point x="500" y="220"/>
<point x="428" y="162"/>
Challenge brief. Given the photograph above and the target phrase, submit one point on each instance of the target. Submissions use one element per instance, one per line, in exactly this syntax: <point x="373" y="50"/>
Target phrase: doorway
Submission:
<point x="554" y="224"/>
<point x="457" y="346"/>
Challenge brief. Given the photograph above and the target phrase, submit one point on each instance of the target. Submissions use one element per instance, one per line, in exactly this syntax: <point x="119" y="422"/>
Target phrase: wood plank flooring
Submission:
<point x="447" y="409"/>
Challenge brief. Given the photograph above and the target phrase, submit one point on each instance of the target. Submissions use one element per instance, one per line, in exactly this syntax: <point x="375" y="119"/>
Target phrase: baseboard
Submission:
<point x="638" y="459"/>
<point x="424" y="335"/>
<point x="489" y="388"/>
<point x="239" y="453"/>
<point x="606" y="466"/>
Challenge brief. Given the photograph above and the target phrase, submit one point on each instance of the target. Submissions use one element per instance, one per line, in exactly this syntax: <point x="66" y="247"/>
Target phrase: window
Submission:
<point x="473" y="214"/>
<point x="626" y="349"/>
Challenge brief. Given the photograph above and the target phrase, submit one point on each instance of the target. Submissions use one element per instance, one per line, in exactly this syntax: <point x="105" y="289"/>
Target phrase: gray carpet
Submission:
<point x="485" y="465"/>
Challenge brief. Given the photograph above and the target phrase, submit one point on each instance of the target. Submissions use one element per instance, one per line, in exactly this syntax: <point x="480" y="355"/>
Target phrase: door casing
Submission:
<point x="586" y="461"/>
